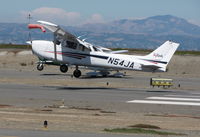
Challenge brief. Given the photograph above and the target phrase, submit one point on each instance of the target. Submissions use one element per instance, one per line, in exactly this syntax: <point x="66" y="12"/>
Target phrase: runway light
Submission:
<point x="62" y="104"/>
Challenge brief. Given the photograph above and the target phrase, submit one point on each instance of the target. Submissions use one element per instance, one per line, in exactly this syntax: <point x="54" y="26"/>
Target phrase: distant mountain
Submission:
<point x="125" y="33"/>
<point x="156" y="25"/>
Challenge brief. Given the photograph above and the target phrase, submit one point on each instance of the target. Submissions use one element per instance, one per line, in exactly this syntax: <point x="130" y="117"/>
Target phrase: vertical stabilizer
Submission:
<point x="163" y="53"/>
<point x="159" y="58"/>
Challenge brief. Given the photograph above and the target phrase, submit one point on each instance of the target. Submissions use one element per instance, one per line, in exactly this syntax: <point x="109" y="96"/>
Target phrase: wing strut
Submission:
<point x="54" y="42"/>
<point x="55" y="49"/>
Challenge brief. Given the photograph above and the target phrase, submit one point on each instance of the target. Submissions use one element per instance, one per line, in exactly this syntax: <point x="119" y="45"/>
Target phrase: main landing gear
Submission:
<point x="77" y="72"/>
<point x="63" y="68"/>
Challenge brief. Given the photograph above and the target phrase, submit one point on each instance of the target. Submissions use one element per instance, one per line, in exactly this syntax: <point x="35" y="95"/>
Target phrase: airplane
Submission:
<point x="69" y="49"/>
<point x="97" y="71"/>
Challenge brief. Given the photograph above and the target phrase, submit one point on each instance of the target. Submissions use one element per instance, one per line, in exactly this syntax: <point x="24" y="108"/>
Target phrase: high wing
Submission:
<point x="58" y="31"/>
<point x="111" y="51"/>
<point x="60" y="34"/>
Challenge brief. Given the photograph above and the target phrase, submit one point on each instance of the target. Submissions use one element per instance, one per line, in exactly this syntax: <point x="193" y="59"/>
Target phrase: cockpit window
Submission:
<point x="83" y="48"/>
<point x="57" y="42"/>
<point x="71" y="45"/>
<point x="95" y="48"/>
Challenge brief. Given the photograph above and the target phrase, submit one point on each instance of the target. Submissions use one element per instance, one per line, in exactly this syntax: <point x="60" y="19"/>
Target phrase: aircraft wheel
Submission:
<point x="63" y="68"/>
<point x="104" y="75"/>
<point x="77" y="73"/>
<point x="40" y="67"/>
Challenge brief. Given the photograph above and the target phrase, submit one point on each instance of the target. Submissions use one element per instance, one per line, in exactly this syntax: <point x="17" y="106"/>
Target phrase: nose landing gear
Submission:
<point x="40" y="67"/>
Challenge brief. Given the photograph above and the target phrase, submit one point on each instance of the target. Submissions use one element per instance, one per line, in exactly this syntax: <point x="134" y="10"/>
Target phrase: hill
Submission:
<point x="145" y="33"/>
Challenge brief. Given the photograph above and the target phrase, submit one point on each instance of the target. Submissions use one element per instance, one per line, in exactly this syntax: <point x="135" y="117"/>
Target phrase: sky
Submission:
<point x="77" y="12"/>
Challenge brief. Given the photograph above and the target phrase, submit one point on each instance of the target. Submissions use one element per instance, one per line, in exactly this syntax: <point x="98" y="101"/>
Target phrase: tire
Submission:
<point x="63" y="68"/>
<point x="77" y="73"/>
<point x="40" y="67"/>
<point x="105" y="75"/>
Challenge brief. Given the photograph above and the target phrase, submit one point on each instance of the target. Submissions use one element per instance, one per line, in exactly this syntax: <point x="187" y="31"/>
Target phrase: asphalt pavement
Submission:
<point x="45" y="133"/>
<point x="184" y="102"/>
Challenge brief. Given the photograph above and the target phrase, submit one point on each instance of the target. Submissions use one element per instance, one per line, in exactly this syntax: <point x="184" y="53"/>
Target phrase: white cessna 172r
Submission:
<point x="68" y="49"/>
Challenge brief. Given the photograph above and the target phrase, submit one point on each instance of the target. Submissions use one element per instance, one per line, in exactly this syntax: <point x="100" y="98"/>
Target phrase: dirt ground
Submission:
<point x="89" y="120"/>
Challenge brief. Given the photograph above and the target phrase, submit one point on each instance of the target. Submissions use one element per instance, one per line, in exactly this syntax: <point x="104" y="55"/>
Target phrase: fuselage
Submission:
<point x="88" y="57"/>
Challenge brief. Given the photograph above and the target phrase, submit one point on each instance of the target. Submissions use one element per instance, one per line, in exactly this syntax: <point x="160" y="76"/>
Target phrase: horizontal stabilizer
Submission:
<point x="119" y="51"/>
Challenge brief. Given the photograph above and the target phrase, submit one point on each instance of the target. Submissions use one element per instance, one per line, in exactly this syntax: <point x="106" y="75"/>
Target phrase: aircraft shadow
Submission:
<point x="54" y="74"/>
<point x="83" y="88"/>
<point x="98" y="77"/>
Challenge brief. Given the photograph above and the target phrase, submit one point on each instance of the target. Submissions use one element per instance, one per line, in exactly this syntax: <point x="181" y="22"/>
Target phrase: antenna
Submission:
<point x="29" y="21"/>
<point x="29" y="18"/>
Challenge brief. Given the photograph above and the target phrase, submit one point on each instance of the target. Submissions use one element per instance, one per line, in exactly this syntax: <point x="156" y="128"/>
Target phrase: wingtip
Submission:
<point x="47" y="23"/>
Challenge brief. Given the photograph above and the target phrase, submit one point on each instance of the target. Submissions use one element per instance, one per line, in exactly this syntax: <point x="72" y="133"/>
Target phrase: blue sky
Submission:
<point x="75" y="12"/>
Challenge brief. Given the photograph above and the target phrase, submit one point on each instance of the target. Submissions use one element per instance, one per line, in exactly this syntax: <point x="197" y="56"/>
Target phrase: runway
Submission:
<point x="112" y="99"/>
<point x="92" y="107"/>
<point x="46" y="133"/>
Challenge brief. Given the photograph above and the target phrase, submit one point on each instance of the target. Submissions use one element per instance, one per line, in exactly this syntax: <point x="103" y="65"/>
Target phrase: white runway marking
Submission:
<point x="171" y="100"/>
<point x="182" y="96"/>
<point x="164" y="102"/>
<point x="177" y="99"/>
